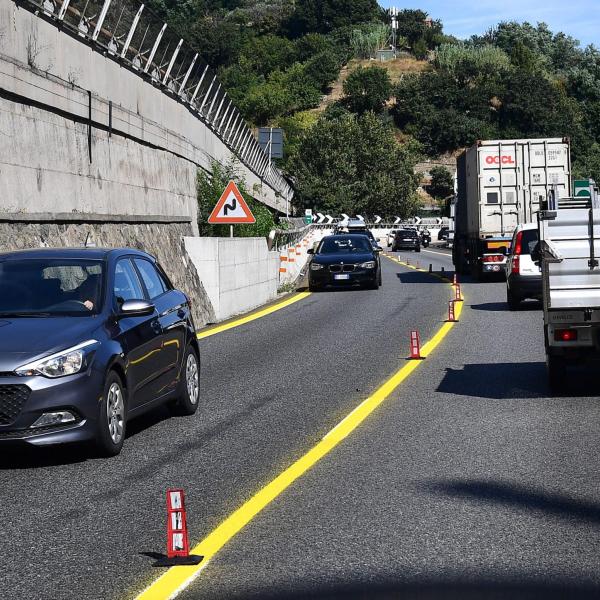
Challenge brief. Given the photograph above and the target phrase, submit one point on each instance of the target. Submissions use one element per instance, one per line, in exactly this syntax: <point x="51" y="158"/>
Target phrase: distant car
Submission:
<point x="443" y="234"/>
<point x="341" y="260"/>
<point x="523" y="276"/>
<point x="90" y="339"/>
<point x="407" y="239"/>
<point x="390" y="236"/>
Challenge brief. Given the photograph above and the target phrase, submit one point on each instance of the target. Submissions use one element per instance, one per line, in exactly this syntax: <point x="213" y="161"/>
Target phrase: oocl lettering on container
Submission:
<point x="496" y="160"/>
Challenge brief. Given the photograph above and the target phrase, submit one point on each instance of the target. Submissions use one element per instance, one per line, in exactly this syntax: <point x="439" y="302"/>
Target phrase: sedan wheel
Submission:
<point x="112" y="420"/>
<point x="192" y="378"/>
<point x="188" y="397"/>
<point x="115" y="413"/>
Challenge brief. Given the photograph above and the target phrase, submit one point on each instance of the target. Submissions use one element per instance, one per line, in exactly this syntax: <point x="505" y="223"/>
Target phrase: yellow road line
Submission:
<point x="253" y="316"/>
<point x="176" y="579"/>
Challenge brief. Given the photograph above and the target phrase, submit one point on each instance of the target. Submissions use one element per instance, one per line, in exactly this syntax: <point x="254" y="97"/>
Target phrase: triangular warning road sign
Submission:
<point x="231" y="209"/>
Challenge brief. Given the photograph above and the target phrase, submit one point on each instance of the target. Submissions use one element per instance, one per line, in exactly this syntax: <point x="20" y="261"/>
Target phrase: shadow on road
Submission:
<point x="418" y="277"/>
<point x="482" y="587"/>
<point x="529" y="306"/>
<point x="514" y="381"/>
<point x="509" y="494"/>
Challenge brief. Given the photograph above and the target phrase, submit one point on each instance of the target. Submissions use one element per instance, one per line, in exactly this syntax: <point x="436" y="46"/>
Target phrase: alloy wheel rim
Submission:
<point x="115" y="411"/>
<point x="191" y="378"/>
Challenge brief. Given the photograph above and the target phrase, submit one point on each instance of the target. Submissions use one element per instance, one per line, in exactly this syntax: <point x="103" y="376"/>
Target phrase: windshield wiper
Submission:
<point x="24" y="314"/>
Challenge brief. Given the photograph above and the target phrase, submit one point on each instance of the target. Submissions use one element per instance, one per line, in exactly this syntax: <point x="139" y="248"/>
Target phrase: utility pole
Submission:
<point x="394" y="15"/>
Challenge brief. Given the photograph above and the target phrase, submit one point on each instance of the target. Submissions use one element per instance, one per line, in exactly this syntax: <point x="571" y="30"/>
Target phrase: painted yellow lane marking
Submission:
<point x="253" y="316"/>
<point x="177" y="579"/>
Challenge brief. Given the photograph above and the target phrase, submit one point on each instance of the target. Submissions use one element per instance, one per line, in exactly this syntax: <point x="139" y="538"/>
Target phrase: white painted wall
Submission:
<point x="239" y="274"/>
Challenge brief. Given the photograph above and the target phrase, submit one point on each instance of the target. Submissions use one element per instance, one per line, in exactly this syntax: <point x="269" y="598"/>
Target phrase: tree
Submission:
<point x="442" y="183"/>
<point x="267" y="53"/>
<point x="323" y="16"/>
<point x="367" y="89"/>
<point x="354" y="164"/>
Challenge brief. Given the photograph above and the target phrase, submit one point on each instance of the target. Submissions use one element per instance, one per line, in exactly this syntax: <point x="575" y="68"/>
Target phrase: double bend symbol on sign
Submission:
<point x="231" y="209"/>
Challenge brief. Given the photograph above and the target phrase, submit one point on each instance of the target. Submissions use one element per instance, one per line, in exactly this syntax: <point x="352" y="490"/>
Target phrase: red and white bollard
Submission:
<point x="455" y="280"/>
<point x="458" y="297"/>
<point x="415" y="346"/>
<point x="451" y="312"/>
<point x="178" y="545"/>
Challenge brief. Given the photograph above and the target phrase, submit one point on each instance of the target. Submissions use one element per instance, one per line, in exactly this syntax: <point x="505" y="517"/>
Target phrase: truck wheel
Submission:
<point x="557" y="371"/>
<point x="513" y="302"/>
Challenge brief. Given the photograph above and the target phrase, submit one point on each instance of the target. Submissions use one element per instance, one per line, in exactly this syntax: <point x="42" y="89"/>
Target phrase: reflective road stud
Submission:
<point x="178" y="546"/>
<point x="415" y="346"/>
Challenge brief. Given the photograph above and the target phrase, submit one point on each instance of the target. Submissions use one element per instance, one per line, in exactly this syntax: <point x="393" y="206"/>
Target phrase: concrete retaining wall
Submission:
<point x="238" y="274"/>
<point x="43" y="65"/>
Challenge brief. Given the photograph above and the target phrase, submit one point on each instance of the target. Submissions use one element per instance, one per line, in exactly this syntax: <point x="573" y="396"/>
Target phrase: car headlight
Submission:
<point x="316" y="267"/>
<point x="68" y="362"/>
<point x="368" y="265"/>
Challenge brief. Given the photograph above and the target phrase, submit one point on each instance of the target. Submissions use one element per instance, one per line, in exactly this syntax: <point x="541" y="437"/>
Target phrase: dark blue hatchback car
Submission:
<point x="89" y="339"/>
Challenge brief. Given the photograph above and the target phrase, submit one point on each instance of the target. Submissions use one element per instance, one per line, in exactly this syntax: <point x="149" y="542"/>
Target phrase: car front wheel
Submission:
<point x="112" y="421"/>
<point x="189" y="387"/>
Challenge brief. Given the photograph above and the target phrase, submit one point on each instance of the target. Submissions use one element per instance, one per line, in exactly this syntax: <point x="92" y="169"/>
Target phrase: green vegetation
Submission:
<point x="442" y="183"/>
<point x="277" y="58"/>
<point x="367" y="90"/>
<point x="353" y="164"/>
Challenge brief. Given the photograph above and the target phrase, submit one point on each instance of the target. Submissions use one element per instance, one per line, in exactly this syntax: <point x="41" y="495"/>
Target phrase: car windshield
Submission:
<point x="50" y="287"/>
<point x="357" y="243"/>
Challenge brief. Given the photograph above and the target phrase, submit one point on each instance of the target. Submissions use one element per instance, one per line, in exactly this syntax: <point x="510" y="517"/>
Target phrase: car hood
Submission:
<point x="347" y="259"/>
<point x="25" y="339"/>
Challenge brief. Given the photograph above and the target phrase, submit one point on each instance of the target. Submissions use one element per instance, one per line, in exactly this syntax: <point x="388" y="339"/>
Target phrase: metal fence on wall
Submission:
<point x="131" y="34"/>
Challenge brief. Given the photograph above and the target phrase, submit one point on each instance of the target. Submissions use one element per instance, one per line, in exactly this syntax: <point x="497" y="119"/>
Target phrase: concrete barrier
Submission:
<point x="239" y="274"/>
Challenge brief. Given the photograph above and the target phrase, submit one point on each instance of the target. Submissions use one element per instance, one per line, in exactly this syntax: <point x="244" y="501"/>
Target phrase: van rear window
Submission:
<point x="529" y="240"/>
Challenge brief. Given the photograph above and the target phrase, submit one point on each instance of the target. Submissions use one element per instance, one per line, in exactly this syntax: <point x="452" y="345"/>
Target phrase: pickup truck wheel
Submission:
<point x="557" y="371"/>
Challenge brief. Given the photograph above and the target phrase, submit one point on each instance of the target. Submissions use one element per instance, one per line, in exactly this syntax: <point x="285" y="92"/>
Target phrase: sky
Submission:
<point x="463" y="18"/>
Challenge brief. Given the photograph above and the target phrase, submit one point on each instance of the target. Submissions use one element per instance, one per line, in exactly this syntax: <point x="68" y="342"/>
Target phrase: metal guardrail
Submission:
<point x="129" y="33"/>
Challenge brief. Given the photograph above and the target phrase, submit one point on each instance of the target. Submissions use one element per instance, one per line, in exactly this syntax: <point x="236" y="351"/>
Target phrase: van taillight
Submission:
<point x="519" y="244"/>
<point x="565" y="335"/>
<point x="516" y="263"/>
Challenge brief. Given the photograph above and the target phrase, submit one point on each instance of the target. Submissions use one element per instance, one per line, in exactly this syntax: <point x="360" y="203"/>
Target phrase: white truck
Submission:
<point x="569" y="254"/>
<point x="501" y="184"/>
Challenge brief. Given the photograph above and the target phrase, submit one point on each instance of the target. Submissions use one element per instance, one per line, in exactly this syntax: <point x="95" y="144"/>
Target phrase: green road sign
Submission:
<point x="581" y="188"/>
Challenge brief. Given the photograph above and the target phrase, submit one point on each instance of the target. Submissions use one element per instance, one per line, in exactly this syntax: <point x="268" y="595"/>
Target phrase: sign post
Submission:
<point x="231" y="209"/>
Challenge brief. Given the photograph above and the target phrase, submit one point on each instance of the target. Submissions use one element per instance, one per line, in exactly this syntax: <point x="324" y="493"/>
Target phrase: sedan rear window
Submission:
<point x="50" y="286"/>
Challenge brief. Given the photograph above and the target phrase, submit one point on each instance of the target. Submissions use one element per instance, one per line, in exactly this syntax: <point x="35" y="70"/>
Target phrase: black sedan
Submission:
<point x="342" y="260"/>
<point x="407" y="239"/>
<point x="89" y="339"/>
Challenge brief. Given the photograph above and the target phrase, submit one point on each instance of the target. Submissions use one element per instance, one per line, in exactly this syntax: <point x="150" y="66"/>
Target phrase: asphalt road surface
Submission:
<point x="471" y="480"/>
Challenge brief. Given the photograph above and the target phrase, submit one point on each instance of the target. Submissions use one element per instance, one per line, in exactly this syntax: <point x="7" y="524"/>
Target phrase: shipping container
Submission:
<point x="501" y="184"/>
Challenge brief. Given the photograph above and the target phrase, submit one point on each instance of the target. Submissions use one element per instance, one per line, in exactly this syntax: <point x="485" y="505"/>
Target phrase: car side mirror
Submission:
<point x="378" y="249"/>
<point x="310" y="251"/>
<point x="135" y="308"/>
<point x="536" y="254"/>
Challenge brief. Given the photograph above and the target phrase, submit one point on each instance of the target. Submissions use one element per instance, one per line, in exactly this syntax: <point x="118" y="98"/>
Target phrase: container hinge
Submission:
<point x="587" y="314"/>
